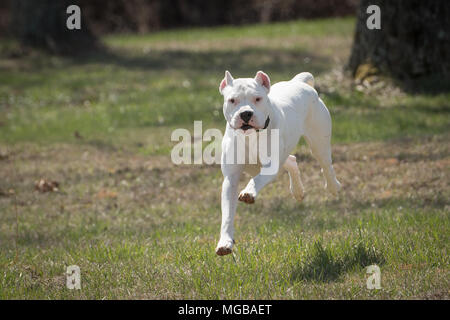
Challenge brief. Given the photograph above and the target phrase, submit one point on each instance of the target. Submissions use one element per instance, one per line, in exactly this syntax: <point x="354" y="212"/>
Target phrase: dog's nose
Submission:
<point x="246" y="115"/>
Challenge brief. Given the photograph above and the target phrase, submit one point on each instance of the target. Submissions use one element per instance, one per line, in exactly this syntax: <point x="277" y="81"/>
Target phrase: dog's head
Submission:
<point x="246" y="105"/>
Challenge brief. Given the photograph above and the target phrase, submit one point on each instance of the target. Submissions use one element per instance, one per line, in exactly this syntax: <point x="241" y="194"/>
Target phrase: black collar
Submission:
<point x="266" y="124"/>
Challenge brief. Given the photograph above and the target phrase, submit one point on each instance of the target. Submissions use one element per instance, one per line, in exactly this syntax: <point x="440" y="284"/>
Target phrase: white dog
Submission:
<point x="252" y="106"/>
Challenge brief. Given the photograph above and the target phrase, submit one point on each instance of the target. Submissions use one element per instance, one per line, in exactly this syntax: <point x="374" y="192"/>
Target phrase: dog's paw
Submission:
<point x="334" y="187"/>
<point x="246" y="197"/>
<point x="299" y="196"/>
<point x="224" y="247"/>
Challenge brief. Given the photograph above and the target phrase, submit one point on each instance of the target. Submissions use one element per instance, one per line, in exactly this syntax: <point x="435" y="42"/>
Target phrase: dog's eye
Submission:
<point x="258" y="99"/>
<point x="231" y="100"/>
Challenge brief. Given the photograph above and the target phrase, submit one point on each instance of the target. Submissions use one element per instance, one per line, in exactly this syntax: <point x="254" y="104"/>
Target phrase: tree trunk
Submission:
<point x="42" y="24"/>
<point x="414" y="39"/>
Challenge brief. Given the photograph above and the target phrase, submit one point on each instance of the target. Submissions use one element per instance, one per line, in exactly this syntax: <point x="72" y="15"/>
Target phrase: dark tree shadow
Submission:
<point x="432" y="84"/>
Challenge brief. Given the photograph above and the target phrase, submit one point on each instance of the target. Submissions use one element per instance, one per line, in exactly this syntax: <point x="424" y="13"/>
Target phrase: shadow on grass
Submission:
<point x="325" y="264"/>
<point x="244" y="62"/>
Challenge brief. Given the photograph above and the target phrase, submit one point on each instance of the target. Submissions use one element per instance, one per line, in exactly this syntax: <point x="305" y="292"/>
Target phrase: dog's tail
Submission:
<point x="305" y="77"/>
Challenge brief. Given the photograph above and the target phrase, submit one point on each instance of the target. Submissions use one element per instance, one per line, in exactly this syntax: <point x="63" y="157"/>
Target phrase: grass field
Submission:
<point x="140" y="227"/>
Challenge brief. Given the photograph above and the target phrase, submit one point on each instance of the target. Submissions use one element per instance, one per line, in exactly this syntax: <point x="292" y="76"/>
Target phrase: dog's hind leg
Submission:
<point x="318" y="137"/>
<point x="296" y="184"/>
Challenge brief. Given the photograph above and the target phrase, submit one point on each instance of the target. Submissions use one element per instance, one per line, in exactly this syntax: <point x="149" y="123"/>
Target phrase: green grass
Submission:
<point x="313" y="28"/>
<point x="140" y="227"/>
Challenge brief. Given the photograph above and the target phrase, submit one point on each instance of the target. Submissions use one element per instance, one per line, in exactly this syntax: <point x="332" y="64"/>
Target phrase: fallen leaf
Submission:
<point x="46" y="186"/>
<point x="386" y="194"/>
<point x="106" y="194"/>
<point x="392" y="161"/>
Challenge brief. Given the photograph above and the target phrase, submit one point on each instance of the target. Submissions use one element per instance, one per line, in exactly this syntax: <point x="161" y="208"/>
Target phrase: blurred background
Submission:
<point x="86" y="118"/>
<point x="413" y="42"/>
<point x="152" y="15"/>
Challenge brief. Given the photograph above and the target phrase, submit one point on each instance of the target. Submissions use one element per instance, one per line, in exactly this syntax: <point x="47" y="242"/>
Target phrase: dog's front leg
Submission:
<point x="229" y="203"/>
<point x="255" y="185"/>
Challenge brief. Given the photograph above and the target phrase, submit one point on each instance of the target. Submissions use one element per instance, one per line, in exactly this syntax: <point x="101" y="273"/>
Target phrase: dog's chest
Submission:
<point x="253" y="149"/>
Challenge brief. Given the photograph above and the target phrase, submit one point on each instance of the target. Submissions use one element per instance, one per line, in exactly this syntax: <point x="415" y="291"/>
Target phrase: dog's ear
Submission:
<point x="227" y="81"/>
<point x="263" y="79"/>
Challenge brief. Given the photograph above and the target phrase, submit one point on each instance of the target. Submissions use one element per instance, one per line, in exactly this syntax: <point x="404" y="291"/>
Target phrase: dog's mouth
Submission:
<point x="246" y="127"/>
